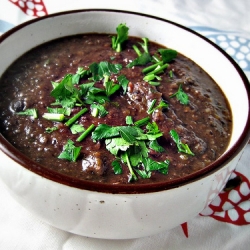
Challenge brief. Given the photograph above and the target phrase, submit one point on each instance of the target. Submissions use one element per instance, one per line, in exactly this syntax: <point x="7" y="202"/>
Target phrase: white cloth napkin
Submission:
<point x="225" y="224"/>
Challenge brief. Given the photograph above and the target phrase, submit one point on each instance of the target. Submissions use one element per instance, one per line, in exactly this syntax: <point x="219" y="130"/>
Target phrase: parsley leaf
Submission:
<point x="65" y="93"/>
<point x="181" y="146"/>
<point x="167" y="55"/>
<point x="181" y="96"/>
<point x="152" y="107"/>
<point x="156" y="147"/>
<point x="143" y="58"/>
<point x="104" y="68"/>
<point x="120" y="38"/>
<point x="77" y="128"/>
<point x="131" y="144"/>
<point x="79" y="74"/>
<point x="123" y="81"/>
<point x="104" y="131"/>
<point x="70" y="151"/>
<point x="115" y="144"/>
<point x="51" y="129"/>
<point x="29" y="112"/>
<point x="65" y="111"/>
<point x="98" y="110"/>
<point x="151" y="165"/>
<point x="117" y="168"/>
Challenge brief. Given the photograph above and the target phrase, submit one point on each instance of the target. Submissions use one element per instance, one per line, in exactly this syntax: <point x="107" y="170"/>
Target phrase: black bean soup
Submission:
<point x="202" y="124"/>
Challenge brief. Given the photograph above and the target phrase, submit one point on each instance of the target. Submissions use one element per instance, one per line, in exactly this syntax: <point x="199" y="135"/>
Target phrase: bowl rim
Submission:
<point x="44" y="172"/>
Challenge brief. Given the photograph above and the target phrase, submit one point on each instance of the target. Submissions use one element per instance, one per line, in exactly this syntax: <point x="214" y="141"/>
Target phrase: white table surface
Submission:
<point x="227" y="23"/>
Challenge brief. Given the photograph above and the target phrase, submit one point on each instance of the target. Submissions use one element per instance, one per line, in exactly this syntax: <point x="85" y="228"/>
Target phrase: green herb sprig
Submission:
<point x="131" y="144"/>
<point x="182" y="147"/>
<point x="181" y="96"/>
<point x="120" y="38"/>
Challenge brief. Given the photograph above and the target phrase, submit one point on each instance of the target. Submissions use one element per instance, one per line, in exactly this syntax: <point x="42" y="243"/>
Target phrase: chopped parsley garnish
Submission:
<point x="85" y="133"/>
<point x="182" y="147"/>
<point x="51" y="129"/>
<point x="54" y="117"/>
<point x="70" y="151"/>
<point x="75" y="117"/>
<point x="77" y="128"/>
<point x="181" y="96"/>
<point x="167" y="55"/>
<point x="98" y="110"/>
<point x="102" y="69"/>
<point x="29" y="112"/>
<point x="131" y="144"/>
<point x="143" y="58"/>
<point x="120" y="38"/>
<point x="152" y="107"/>
<point x="92" y="86"/>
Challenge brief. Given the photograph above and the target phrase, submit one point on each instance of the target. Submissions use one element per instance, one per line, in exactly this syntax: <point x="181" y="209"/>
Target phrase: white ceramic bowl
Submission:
<point x="104" y="211"/>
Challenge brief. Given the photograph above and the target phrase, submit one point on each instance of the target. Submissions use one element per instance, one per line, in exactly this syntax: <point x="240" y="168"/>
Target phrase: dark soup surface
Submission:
<point x="138" y="113"/>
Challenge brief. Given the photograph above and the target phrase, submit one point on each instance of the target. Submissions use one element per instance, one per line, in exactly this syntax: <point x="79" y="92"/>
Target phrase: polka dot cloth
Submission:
<point x="238" y="47"/>
<point x="34" y="8"/>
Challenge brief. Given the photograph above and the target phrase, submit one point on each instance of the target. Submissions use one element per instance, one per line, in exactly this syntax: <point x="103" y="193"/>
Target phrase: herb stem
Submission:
<point x="85" y="133"/>
<point x="134" y="177"/>
<point x="54" y="117"/>
<point x="75" y="117"/>
<point x="151" y="67"/>
<point x="159" y="69"/>
<point x="138" y="52"/>
<point x="142" y="122"/>
<point x="151" y="107"/>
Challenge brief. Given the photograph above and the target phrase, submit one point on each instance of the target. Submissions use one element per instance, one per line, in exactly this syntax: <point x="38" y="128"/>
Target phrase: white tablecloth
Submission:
<point x="225" y="224"/>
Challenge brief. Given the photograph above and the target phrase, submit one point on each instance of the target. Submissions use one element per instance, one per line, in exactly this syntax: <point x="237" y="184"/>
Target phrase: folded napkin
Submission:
<point x="225" y="223"/>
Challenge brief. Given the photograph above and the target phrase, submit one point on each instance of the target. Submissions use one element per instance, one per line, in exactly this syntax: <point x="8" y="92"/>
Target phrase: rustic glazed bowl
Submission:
<point x="123" y="211"/>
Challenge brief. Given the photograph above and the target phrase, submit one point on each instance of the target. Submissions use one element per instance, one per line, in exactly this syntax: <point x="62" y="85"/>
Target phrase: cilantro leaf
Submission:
<point x="123" y="81"/>
<point x="29" y="112"/>
<point x="51" y="129"/>
<point x="70" y="151"/>
<point x="152" y="107"/>
<point x="65" y="111"/>
<point x="128" y="133"/>
<point x="132" y="176"/>
<point x="120" y="38"/>
<point x="167" y="55"/>
<point x="143" y="59"/>
<point x="79" y="74"/>
<point x="143" y="173"/>
<point x="181" y="146"/>
<point x="151" y="165"/>
<point x="111" y="87"/>
<point x="114" y="145"/>
<point x="117" y="168"/>
<point x="104" y="68"/>
<point x="181" y="96"/>
<point x="144" y="45"/>
<point x="155" y="146"/>
<point x="98" y="110"/>
<point x="77" y="128"/>
<point x="137" y="153"/>
<point x="104" y="131"/>
<point x="129" y="120"/>
<point x="65" y="93"/>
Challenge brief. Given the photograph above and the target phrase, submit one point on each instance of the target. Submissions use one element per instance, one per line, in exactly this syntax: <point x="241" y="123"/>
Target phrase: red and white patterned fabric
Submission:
<point x="34" y="8"/>
<point x="223" y="224"/>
